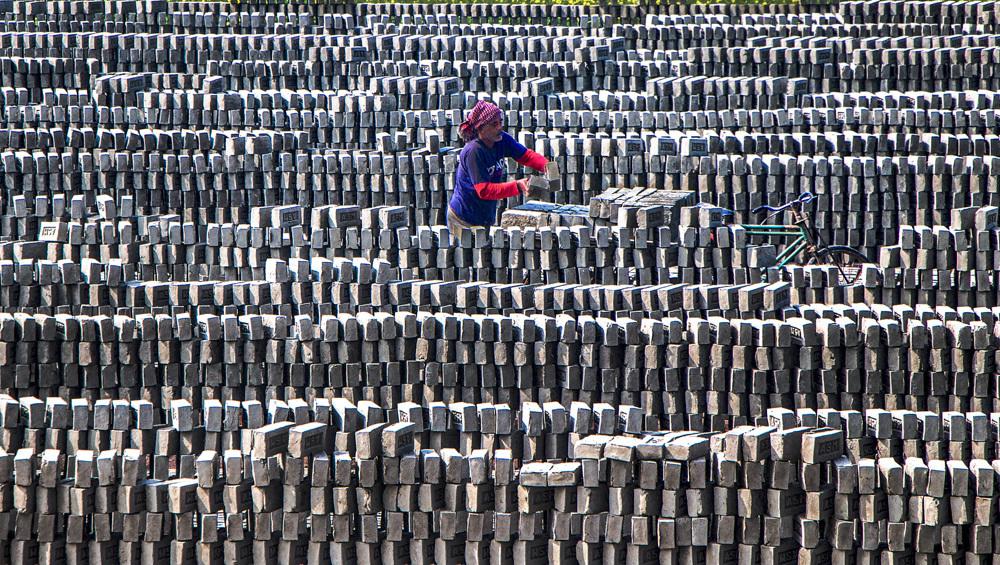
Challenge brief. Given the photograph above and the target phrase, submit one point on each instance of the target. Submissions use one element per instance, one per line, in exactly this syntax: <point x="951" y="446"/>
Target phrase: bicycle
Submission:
<point x="849" y="261"/>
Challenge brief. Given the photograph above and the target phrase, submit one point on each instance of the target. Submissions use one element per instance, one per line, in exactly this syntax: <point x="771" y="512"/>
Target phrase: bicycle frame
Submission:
<point x="801" y="230"/>
<point x="781" y="231"/>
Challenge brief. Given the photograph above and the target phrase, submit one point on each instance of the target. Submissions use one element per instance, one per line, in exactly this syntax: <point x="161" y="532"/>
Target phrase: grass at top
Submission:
<point x="529" y="2"/>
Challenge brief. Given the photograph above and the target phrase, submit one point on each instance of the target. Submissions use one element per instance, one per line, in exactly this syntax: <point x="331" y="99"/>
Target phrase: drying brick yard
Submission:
<point x="234" y="329"/>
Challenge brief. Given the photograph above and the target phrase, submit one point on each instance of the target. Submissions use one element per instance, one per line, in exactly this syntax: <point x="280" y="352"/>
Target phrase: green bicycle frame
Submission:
<point x="791" y="250"/>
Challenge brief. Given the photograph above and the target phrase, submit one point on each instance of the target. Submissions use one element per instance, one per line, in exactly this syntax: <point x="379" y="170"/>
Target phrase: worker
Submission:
<point x="482" y="170"/>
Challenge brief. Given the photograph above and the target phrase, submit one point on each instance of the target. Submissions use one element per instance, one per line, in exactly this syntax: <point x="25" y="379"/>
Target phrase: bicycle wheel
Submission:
<point x="847" y="260"/>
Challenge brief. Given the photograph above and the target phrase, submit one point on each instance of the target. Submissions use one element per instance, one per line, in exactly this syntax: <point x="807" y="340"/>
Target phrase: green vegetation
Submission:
<point x="541" y="2"/>
<point x="538" y="2"/>
<point x="575" y="2"/>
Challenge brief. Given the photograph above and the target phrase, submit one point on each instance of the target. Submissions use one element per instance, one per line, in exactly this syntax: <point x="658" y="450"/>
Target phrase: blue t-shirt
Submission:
<point x="478" y="163"/>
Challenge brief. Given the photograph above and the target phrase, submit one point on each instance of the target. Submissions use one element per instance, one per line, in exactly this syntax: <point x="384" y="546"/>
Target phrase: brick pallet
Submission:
<point x="720" y="371"/>
<point x="308" y="488"/>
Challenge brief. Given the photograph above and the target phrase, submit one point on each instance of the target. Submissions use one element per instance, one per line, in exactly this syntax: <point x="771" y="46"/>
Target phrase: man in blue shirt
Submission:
<point x="482" y="169"/>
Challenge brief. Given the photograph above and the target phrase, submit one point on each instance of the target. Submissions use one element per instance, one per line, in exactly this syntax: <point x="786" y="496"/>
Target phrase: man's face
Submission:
<point x="492" y="131"/>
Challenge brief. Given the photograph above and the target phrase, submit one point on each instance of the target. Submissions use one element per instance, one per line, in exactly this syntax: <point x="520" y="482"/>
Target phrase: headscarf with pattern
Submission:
<point x="484" y="113"/>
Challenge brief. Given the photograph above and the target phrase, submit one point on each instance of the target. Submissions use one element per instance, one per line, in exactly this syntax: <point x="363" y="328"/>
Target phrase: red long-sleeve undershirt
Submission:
<point x="501" y="190"/>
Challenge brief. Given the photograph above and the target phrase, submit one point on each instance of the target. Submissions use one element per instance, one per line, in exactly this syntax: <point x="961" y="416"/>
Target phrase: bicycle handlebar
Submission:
<point x="804" y="199"/>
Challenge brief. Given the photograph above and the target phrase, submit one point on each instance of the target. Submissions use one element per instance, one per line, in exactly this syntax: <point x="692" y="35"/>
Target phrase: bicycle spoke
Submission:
<point x="849" y="263"/>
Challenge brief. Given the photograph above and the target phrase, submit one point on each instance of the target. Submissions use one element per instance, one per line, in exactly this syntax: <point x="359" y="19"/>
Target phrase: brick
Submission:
<point x="272" y="439"/>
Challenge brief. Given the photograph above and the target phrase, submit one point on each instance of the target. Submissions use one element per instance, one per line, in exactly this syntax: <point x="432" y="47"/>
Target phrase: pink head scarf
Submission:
<point x="484" y="113"/>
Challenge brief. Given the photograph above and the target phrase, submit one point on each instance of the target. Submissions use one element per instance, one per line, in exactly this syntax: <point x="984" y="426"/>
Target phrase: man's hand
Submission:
<point x="522" y="185"/>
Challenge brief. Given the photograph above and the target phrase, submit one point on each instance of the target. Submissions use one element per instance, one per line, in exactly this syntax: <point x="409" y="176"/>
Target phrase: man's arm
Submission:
<point x="533" y="160"/>
<point x="496" y="190"/>
<point x="523" y="155"/>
